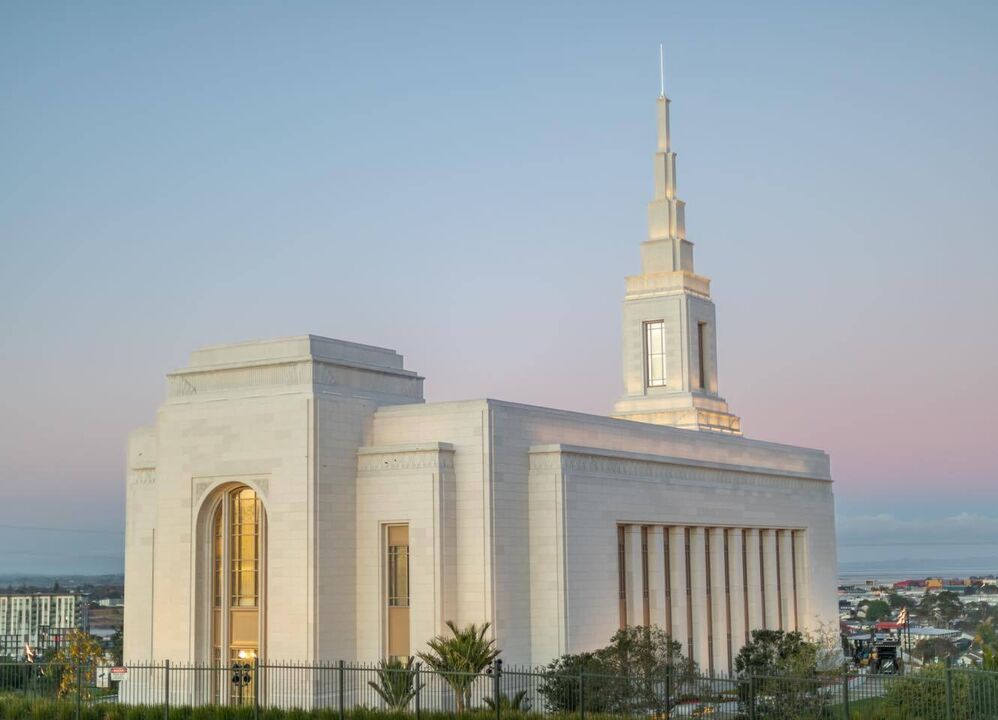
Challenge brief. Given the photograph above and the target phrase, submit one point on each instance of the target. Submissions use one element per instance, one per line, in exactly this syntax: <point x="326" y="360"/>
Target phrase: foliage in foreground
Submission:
<point x="641" y="670"/>
<point x="396" y="684"/>
<point x="778" y="676"/>
<point x="20" y="708"/>
<point x="460" y="658"/>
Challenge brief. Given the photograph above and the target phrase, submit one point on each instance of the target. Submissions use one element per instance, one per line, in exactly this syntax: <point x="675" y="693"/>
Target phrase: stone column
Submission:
<point x="633" y="576"/>
<point x="754" y="573"/>
<point x="677" y="586"/>
<point x="656" y="577"/>
<point x="787" y="579"/>
<point x="698" y="598"/>
<point x="770" y="580"/>
<point x="800" y="571"/>
<point x="719" y="590"/>
<point x="736" y="590"/>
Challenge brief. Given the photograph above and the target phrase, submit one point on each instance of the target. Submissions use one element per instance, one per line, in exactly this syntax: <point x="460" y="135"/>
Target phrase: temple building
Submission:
<point x="296" y="499"/>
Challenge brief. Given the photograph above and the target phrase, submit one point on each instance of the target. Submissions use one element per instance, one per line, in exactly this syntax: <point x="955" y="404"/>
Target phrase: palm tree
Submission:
<point x="396" y="683"/>
<point x="459" y="659"/>
<point x="518" y="703"/>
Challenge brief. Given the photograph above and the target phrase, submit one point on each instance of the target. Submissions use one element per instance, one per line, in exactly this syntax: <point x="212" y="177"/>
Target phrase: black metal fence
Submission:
<point x="341" y="690"/>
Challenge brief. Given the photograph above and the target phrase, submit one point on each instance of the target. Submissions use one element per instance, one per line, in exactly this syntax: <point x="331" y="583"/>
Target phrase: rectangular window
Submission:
<point x="762" y="578"/>
<point x="793" y="554"/>
<point x="701" y="356"/>
<point x="621" y="577"/>
<point x="398" y="567"/>
<point x="779" y="579"/>
<point x="668" y="585"/>
<point x="745" y="587"/>
<point x="397" y="589"/>
<point x="644" y="577"/>
<point x="727" y="592"/>
<point x="689" y="594"/>
<point x="655" y="353"/>
<point x="710" y="608"/>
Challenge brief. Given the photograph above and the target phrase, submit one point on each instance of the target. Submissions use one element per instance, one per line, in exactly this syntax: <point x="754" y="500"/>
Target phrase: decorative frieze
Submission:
<point x="142" y="476"/>
<point x="432" y="456"/>
<point x="596" y="463"/>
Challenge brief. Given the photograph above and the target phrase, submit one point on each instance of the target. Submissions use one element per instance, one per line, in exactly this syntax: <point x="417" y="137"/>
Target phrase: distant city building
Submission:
<point x="298" y="499"/>
<point x="111" y="602"/>
<point x="40" y="620"/>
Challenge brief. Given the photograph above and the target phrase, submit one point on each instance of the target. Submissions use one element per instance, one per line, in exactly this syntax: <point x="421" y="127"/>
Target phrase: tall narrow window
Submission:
<point x="779" y="580"/>
<point x="689" y="593"/>
<point x="701" y="355"/>
<point x="655" y="353"/>
<point x="762" y="578"/>
<point x="668" y="585"/>
<point x="621" y="577"/>
<point x="793" y="554"/>
<point x="237" y="600"/>
<point x="727" y="592"/>
<point x="397" y="567"/>
<point x="646" y="620"/>
<point x="745" y="587"/>
<point x="710" y="603"/>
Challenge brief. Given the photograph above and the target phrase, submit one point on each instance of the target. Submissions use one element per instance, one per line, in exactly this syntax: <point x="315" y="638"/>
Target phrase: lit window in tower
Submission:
<point x="655" y="353"/>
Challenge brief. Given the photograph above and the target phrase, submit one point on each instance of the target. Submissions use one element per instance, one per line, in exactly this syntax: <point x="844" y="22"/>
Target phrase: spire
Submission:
<point x="669" y="341"/>
<point x="661" y="71"/>
<point x="666" y="249"/>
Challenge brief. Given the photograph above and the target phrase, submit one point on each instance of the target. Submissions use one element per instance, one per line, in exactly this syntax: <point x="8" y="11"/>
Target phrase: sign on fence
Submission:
<point x="119" y="673"/>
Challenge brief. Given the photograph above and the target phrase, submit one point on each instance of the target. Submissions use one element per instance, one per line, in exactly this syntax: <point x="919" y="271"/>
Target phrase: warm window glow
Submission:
<point x="398" y="575"/>
<point x="655" y="353"/>
<point x="397" y="590"/>
<point x="245" y="541"/>
<point x="236" y="583"/>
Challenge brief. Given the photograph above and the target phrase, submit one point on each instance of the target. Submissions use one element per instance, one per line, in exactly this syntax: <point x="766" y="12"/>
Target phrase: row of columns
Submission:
<point x="709" y="587"/>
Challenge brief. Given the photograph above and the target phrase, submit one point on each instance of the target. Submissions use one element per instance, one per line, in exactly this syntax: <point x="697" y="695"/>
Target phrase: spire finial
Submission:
<point x="661" y="71"/>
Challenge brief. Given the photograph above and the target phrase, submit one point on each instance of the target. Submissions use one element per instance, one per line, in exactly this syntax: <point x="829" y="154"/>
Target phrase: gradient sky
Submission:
<point x="466" y="183"/>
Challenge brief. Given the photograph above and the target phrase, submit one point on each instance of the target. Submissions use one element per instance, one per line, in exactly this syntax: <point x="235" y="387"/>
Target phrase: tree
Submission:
<point x="942" y="607"/>
<point x="766" y="662"/>
<point x="396" y="684"/>
<point x="934" y="649"/>
<point x="641" y="671"/>
<point x="898" y="602"/>
<point x="117" y="648"/>
<point x="460" y="658"/>
<point x="77" y="659"/>
<point x="875" y="610"/>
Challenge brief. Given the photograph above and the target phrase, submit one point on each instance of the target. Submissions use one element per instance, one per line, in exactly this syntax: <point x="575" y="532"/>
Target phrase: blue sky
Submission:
<point x="466" y="183"/>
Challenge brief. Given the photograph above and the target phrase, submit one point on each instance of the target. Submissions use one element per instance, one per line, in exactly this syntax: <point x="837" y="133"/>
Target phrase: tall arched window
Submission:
<point x="238" y="530"/>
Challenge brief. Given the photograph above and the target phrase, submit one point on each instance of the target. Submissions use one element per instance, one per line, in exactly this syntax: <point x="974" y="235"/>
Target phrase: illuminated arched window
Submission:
<point x="238" y="525"/>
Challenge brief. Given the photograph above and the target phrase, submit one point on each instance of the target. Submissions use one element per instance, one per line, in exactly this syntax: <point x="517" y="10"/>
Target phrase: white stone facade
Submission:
<point x="555" y="527"/>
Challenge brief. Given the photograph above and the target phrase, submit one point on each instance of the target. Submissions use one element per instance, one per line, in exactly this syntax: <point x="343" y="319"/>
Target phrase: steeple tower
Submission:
<point x="669" y="340"/>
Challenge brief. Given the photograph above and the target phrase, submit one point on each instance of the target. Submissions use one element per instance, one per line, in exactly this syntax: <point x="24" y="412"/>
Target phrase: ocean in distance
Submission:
<point x="891" y="561"/>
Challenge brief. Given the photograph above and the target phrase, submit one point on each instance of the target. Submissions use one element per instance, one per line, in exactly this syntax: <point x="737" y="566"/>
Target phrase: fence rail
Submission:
<point x="341" y="689"/>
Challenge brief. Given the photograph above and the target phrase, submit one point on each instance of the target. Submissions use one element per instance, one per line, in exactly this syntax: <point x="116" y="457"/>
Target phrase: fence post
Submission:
<point x="166" y="692"/>
<point x="418" y="686"/>
<point x="949" y="688"/>
<point x="751" y="696"/>
<point x="845" y="690"/>
<point x="668" y="691"/>
<point x="341" y="674"/>
<point x="79" y="688"/>
<point x="256" y="687"/>
<point x="582" y="693"/>
<point x="496" y="689"/>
